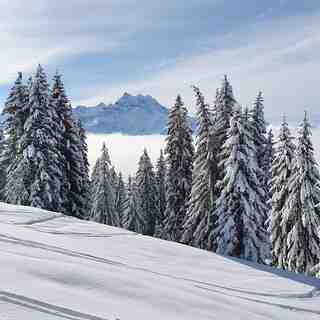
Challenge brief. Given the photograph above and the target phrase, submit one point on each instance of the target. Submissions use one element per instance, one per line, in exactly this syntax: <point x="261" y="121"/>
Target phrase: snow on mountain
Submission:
<point x="133" y="115"/>
<point x="56" y="267"/>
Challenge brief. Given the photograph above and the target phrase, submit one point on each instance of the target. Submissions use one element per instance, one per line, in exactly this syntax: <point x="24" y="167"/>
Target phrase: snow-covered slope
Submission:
<point x="132" y="115"/>
<point x="56" y="267"/>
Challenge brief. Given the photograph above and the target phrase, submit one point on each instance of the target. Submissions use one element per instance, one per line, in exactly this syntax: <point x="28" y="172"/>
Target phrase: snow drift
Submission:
<point x="57" y="267"/>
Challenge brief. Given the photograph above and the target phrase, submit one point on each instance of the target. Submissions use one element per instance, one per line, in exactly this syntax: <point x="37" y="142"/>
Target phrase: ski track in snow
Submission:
<point x="32" y="222"/>
<point x="25" y="302"/>
<point x="282" y="306"/>
<point x="44" y="307"/>
<point x="196" y="283"/>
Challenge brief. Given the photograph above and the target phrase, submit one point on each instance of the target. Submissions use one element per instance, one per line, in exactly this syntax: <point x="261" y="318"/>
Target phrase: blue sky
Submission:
<point x="107" y="47"/>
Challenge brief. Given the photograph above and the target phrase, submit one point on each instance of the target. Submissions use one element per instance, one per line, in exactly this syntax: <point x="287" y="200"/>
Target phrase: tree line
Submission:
<point x="44" y="160"/>
<point x="235" y="191"/>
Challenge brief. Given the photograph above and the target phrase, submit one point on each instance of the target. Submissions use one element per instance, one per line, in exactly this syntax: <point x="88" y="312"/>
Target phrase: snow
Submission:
<point x="57" y="267"/>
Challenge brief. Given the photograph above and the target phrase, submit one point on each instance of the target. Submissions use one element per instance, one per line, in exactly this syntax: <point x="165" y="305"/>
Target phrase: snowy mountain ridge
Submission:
<point x="131" y="114"/>
<point x="57" y="267"/>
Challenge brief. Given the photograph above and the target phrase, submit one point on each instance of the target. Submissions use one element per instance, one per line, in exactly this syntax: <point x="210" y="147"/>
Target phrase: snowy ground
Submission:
<point x="56" y="267"/>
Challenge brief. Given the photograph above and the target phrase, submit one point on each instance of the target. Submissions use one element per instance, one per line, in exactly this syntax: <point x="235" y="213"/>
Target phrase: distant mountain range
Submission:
<point x="131" y="115"/>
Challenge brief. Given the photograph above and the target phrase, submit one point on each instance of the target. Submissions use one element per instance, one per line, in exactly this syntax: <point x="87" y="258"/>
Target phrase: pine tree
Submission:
<point x="281" y="172"/>
<point x="268" y="157"/>
<point x="58" y="130"/>
<point x="180" y="153"/>
<point x="302" y="210"/>
<point x="199" y="221"/>
<point x="102" y="200"/>
<point x="222" y="112"/>
<point x="60" y="103"/>
<point x="15" y="111"/>
<point x="260" y="130"/>
<point x="239" y="209"/>
<point x="114" y="178"/>
<point x="161" y="190"/>
<point x="74" y="189"/>
<point x="84" y="167"/>
<point x="132" y="219"/>
<point x="147" y="189"/>
<point x="36" y="178"/>
<point x="121" y="201"/>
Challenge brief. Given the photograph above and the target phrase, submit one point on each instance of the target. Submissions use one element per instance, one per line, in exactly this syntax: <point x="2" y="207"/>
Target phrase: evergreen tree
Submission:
<point x="161" y="190"/>
<point x="74" y="188"/>
<point x="102" y="200"/>
<point x="267" y="163"/>
<point x="121" y="202"/>
<point x="180" y="153"/>
<point x="36" y="178"/>
<point x="302" y="210"/>
<point x="15" y="111"/>
<point x="239" y="209"/>
<point x="222" y="112"/>
<point x="114" y="178"/>
<point x="133" y="220"/>
<point x="84" y="167"/>
<point x="281" y="172"/>
<point x="94" y="176"/>
<point x="147" y="189"/>
<point x="199" y="217"/>
<point x="259" y="126"/>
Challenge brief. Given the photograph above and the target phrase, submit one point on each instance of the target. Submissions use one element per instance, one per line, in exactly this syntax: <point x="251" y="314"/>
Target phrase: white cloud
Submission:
<point x="280" y="58"/>
<point x="42" y="31"/>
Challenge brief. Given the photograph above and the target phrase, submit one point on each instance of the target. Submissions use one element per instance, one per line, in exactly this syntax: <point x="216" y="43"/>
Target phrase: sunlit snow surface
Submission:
<point x="57" y="267"/>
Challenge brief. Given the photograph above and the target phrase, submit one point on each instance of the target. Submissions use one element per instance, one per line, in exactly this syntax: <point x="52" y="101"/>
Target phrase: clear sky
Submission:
<point x="107" y="47"/>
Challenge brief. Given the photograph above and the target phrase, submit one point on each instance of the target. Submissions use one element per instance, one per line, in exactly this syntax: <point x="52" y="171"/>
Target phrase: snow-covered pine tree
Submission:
<point x="37" y="175"/>
<point x="102" y="199"/>
<point x="222" y="112"/>
<point x="198" y="224"/>
<point x="84" y="167"/>
<point x="302" y="210"/>
<point x="161" y="190"/>
<point x="239" y="229"/>
<point x="180" y="153"/>
<point x="94" y="177"/>
<point x="15" y="111"/>
<point x="121" y="201"/>
<point x="59" y="102"/>
<point x="281" y="172"/>
<point x="268" y="157"/>
<point x="73" y="150"/>
<point x="114" y="178"/>
<point x="259" y="129"/>
<point x="132" y="219"/>
<point x="147" y="190"/>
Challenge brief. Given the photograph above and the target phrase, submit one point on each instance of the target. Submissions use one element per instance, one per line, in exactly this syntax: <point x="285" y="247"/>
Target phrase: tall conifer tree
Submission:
<point x="84" y="167"/>
<point x="199" y="221"/>
<point x="121" y="201"/>
<point x="147" y="190"/>
<point x="133" y="219"/>
<point x="302" y="211"/>
<point x="161" y="190"/>
<point x="180" y="153"/>
<point x="222" y="112"/>
<point x="15" y="111"/>
<point x="102" y="200"/>
<point x="239" y="209"/>
<point x="281" y="173"/>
